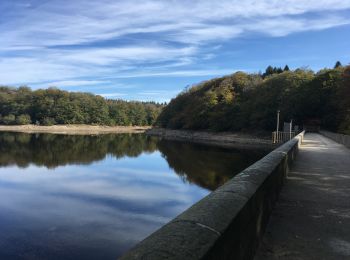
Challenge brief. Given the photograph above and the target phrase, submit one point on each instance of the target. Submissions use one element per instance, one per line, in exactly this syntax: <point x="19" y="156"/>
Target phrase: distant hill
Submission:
<point x="249" y="102"/>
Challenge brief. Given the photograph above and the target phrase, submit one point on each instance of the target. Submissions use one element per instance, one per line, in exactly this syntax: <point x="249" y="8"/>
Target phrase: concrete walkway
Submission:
<point x="311" y="220"/>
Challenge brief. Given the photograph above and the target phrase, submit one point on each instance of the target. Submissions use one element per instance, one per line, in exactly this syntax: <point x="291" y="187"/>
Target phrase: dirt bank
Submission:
<point x="226" y="139"/>
<point x="74" y="129"/>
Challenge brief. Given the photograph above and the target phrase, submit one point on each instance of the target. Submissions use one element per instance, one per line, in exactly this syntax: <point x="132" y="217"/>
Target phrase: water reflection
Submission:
<point x="203" y="166"/>
<point x="52" y="150"/>
<point x="93" y="197"/>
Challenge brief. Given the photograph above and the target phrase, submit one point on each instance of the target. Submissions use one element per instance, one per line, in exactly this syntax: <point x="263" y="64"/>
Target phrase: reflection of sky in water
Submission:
<point x="88" y="211"/>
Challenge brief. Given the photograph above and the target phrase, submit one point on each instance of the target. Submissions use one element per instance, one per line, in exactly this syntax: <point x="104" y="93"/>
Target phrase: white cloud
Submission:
<point x="85" y="21"/>
<point x="112" y="95"/>
<point x="105" y="56"/>
<point x="72" y="83"/>
<point x="15" y="70"/>
<point x="206" y="33"/>
<point x="283" y="26"/>
<point x="182" y="73"/>
<point x="79" y="22"/>
<point x="145" y="38"/>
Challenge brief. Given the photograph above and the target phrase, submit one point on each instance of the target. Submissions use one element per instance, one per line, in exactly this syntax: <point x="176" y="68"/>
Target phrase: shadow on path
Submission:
<point x="311" y="220"/>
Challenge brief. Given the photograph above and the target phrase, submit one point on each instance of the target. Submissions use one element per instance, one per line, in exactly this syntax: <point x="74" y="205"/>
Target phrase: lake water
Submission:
<point x="94" y="197"/>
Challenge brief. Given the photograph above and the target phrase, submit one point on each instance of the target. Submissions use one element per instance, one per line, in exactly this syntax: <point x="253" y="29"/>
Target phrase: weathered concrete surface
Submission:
<point x="311" y="219"/>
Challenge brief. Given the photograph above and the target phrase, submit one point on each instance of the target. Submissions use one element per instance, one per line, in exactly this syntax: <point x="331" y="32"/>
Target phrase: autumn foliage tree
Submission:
<point x="248" y="102"/>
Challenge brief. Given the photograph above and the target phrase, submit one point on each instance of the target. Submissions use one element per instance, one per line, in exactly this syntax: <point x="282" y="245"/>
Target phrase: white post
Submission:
<point x="290" y="129"/>
<point x="278" y="124"/>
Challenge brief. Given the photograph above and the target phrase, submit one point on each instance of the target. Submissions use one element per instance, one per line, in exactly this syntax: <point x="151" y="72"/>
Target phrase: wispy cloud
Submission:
<point x="72" y="83"/>
<point x="47" y="41"/>
<point x="282" y="26"/>
<point x="112" y="95"/>
<point x="175" y="73"/>
<point x="77" y="22"/>
<point x="105" y="56"/>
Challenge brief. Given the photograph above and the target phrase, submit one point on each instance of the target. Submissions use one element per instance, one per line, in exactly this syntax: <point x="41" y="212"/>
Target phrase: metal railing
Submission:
<point x="281" y="137"/>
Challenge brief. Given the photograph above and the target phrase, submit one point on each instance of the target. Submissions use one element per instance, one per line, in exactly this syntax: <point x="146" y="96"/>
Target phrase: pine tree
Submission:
<point x="337" y="64"/>
<point x="269" y="71"/>
<point x="286" y="68"/>
<point x="279" y="70"/>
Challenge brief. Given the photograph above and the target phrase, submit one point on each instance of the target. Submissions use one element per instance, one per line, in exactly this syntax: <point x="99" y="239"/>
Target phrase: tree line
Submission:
<point x="53" y="106"/>
<point x="249" y="102"/>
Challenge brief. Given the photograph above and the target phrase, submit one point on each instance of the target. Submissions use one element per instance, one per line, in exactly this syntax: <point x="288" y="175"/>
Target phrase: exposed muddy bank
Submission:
<point x="73" y="129"/>
<point x="224" y="139"/>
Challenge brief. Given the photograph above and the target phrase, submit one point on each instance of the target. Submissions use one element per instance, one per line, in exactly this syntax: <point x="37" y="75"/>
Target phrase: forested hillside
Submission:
<point x="54" y="106"/>
<point x="249" y="102"/>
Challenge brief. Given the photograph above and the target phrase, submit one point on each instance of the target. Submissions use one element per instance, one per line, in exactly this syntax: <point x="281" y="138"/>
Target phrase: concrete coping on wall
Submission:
<point x="230" y="221"/>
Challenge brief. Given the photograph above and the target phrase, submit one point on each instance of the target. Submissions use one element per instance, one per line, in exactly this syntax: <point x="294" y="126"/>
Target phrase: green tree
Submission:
<point x="337" y="64"/>
<point x="269" y="71"/>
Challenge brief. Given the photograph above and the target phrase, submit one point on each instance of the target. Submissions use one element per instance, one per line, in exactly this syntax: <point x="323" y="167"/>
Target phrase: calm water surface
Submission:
<point x="94" y="197"/>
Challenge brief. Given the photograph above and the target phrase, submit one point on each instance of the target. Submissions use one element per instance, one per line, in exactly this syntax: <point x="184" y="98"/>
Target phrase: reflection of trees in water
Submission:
<point x="208" y="168"/>
<point x="52" y="150"/>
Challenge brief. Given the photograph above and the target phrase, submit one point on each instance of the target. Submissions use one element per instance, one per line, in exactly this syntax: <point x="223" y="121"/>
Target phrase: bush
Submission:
<point x="23" y="119"/>
<point x="48" y="121"/>
<point x="9" y="119"/>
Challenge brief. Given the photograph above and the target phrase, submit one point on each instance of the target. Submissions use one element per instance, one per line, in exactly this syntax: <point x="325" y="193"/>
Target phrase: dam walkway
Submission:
<point x="311" y="219"/>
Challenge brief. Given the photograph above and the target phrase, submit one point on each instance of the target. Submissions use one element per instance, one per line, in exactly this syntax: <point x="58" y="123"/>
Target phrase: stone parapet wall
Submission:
<point x="339" y="138"/>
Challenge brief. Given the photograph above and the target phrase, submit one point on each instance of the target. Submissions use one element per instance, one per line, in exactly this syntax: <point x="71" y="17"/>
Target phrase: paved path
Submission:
<point x="311" y="220"/>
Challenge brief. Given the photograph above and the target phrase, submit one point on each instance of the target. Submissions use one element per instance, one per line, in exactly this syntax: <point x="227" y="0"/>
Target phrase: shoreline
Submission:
<point x="222" y="139"/>
<point x="80" y="129"/>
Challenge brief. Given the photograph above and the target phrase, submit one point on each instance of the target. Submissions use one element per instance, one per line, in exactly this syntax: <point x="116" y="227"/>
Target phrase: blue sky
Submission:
<point x="152" y="49"/>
